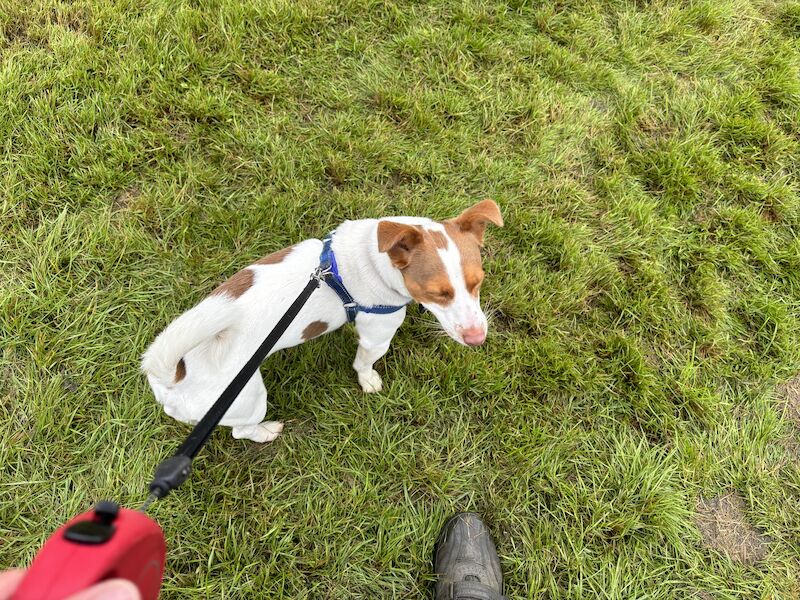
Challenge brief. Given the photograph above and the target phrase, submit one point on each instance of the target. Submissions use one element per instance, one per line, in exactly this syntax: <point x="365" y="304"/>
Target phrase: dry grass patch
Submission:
<point x="724" y="527"/>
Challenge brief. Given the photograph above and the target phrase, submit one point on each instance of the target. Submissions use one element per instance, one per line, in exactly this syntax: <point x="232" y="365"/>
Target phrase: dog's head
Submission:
<point x="441" y="267"/>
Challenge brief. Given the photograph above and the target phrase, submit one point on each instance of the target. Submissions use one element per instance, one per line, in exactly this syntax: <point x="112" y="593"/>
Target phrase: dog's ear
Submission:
<point x="475" y="218"/>
<point x="398" y="240"/>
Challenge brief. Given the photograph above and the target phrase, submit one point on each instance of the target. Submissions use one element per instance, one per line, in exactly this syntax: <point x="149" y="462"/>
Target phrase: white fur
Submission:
<point x="217" y="336"/>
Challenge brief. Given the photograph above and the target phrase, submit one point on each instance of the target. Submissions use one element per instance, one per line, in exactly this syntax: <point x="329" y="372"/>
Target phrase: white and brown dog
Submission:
<point x="380" y="266"/>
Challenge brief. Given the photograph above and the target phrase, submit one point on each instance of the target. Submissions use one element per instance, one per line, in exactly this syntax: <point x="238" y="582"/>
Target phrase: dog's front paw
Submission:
<point x="370" y="381"/>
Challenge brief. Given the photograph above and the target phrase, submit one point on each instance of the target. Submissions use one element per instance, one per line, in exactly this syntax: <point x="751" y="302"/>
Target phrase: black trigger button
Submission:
<point x="89" y="532"/>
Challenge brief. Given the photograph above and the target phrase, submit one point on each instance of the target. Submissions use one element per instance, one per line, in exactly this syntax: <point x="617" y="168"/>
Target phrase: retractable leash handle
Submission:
<point x="110" y="542"/>
<point x="107" y="542"/>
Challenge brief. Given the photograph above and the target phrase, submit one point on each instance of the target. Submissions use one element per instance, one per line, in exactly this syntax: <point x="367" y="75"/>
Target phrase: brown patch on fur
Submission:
<point x="399" y="241"/>
<point x="466" y="231"/>
<point x="475" y="218"/>
<point x="415" y="253"/>
<point x="439" y="239"/>
<point x="314" y="329"/>
<point x="180" y="371"/>
<point x="236" y="285"/>
<point x="470" y="251"/>
<point x="426" y="285"/>
<point x="275" y="257"/>
<point x="724" y="527"/>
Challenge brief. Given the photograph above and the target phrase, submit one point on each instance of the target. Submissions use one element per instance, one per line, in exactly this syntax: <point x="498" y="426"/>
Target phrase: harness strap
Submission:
<point x="327" y="262"/>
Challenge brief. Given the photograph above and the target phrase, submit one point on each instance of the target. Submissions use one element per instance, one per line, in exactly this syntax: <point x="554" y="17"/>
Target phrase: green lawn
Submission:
<point x="644" y="293"/>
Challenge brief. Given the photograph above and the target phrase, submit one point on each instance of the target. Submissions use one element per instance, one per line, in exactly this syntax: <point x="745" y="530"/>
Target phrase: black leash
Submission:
<point x="173" y="471"/>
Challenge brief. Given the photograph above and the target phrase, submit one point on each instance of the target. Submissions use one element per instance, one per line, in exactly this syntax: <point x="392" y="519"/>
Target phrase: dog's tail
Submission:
<point x="205" y="323"/>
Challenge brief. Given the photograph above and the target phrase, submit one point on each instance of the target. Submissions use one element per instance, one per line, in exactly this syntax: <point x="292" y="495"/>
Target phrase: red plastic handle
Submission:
<point x="135" y="551"/>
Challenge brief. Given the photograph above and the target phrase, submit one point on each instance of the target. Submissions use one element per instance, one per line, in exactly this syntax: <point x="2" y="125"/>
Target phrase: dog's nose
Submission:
<point x="474" y="336"/>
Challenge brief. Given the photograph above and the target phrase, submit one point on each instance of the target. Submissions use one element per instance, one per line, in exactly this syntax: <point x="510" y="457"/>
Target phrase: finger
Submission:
<point x="113" y="589"/>
<point x="9" y="581"/>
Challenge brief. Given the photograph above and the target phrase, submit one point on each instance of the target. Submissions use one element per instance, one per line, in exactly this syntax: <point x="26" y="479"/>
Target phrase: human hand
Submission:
<point x="113" y="589"/>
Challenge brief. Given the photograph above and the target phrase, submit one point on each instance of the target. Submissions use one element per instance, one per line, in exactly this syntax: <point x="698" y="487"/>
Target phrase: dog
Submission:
<point x="376" y="267"/>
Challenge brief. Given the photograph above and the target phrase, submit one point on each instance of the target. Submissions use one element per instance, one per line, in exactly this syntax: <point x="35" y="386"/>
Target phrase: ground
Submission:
<point x="636" y="393"/>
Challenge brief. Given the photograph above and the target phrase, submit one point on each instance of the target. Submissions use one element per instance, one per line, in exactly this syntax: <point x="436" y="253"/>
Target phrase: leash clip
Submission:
<point x="320" y="274"/>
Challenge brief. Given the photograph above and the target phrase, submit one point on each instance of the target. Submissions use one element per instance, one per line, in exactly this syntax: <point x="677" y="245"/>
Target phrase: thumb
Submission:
<point x="9" y="580"/>
<point x="113" y="589"/>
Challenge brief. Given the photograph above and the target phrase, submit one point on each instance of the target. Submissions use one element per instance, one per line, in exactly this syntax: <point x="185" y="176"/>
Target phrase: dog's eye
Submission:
<point x="474" y="283"/>
<point x="444" y="295"/>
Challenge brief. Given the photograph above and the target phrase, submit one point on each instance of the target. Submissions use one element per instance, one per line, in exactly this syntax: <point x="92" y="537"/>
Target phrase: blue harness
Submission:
<point x="327" y="263"/>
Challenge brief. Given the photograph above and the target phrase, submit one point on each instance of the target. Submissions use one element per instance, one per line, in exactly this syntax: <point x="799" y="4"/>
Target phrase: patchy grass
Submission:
<point x="789" y="394"/>
<point x="724" y="527"/>
<point x="644" y="293"/>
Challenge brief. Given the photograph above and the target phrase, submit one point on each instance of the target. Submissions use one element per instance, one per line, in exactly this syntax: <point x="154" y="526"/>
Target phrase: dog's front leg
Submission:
<point x="375" y="333"/>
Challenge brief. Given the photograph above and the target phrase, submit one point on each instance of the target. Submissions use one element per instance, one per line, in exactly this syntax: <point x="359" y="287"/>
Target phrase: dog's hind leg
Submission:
<point x="266" y="431"/>
<point x="253" y="399"/>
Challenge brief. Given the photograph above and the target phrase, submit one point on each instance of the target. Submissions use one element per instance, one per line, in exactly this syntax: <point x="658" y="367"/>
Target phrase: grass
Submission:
<point x="644" y="294"/>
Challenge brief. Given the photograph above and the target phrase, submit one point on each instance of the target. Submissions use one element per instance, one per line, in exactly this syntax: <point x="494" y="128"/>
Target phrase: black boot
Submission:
<point x="466" y="561"/>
